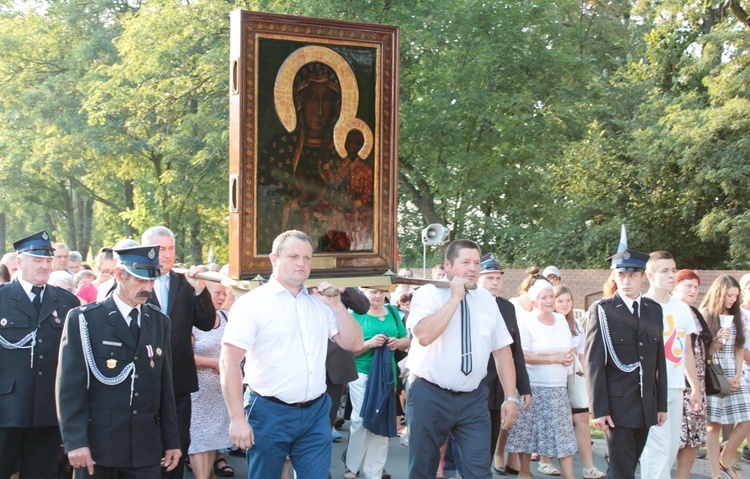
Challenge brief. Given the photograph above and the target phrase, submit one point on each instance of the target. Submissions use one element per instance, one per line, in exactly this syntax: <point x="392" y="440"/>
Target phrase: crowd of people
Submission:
<point x="155" y="371"/>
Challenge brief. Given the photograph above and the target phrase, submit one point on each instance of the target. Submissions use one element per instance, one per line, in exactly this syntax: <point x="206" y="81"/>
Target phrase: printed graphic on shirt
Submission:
<point x="674" y="342"/>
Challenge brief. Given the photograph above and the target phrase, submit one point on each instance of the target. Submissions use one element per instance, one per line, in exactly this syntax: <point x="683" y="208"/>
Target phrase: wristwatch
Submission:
<point x="514" y="399"/>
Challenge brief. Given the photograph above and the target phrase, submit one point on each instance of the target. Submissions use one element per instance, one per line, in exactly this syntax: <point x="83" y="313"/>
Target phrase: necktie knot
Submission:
<point x="37" y="301"/>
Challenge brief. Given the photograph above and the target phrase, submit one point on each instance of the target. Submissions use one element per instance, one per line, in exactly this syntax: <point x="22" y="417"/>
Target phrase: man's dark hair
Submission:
<point x="454" y="248"/>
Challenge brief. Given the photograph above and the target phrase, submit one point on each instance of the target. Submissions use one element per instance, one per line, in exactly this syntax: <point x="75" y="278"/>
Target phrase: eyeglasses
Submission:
<point x="107" y="272"/>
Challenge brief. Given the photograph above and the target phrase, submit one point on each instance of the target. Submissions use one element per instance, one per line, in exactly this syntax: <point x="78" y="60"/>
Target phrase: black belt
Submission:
<point x="446" y="390"/>
<point x="301" y="405"/>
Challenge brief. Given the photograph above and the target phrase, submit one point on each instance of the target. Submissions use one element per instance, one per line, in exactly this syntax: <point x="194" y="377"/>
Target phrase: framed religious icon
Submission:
<point x="313" y="141"/>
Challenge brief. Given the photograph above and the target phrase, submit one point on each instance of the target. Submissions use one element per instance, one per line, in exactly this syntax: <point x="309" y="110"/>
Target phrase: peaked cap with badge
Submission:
<point x="37" y="244"/>
<point x="141" y="261"/>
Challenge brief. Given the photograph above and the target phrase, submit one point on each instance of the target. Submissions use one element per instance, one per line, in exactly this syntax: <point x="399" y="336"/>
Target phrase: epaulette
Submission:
<point x="88" y="307"/>
<point x="646" y="298"/>
<point x="155" y="308"/>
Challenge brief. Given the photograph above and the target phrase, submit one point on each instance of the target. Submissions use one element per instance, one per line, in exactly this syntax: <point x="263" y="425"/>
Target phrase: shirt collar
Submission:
<point x="629" y="301"/>
<point x="276" y="287"/>
<point x="124" y="308"/>
<point x="27" y="286"/>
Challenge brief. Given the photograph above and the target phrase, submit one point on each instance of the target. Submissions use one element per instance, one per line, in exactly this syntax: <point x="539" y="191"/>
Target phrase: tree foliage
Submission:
<point x="535" y="128"/>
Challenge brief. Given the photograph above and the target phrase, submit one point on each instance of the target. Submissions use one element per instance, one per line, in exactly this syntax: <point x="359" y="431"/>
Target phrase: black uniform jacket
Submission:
<point x="185" y="311"/>
<point x="100" y="416"/>
<point x="616" y="393"/>
<point x="497" y="395"/>
<point x="26" y="391"/>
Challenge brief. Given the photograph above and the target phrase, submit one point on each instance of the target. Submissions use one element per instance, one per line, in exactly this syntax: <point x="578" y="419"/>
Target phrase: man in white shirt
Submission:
<point x="663" y="442"/>
<point x="455" y="331"/>
<point x="282" y="331"/>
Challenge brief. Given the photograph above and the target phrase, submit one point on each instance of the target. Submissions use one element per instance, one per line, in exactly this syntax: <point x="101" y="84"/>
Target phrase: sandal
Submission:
<point x="547" y="468"/>
<point x="728" y="471"/>
<point x="224" y="471"/>
<point x="593" y="473"/>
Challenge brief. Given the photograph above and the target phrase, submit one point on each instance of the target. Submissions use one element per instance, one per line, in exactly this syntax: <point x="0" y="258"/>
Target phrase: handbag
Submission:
<point x="717" y="383"/>
<point x="579" y="397"/>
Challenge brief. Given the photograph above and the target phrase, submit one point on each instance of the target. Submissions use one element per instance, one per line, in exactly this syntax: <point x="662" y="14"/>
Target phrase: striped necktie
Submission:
<point x="164" y="293"/>
<point x="466" y="364"/>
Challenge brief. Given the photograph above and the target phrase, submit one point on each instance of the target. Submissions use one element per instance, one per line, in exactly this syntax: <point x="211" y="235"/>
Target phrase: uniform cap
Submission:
<point x="37" y="244"/>
<point x="141" y="261"/>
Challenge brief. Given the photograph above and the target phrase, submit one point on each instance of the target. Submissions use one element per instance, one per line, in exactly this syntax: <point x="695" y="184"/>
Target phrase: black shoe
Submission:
<point x="338" y="423"/>
<point x="510" y="471"/>
<point x="238" y="453"/>
<point x="499" y="471"/>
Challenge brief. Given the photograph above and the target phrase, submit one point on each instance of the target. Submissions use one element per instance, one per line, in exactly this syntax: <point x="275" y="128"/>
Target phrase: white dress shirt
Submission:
<point x="286" y="339"/>
<point x="440" y="362"/>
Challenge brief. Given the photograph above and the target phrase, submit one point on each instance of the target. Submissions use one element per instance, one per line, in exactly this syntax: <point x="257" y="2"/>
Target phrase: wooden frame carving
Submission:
<point x="313" y="141"/>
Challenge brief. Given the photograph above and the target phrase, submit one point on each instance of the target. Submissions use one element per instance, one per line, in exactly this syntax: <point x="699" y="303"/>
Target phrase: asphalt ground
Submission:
<point x="398" y="459"/>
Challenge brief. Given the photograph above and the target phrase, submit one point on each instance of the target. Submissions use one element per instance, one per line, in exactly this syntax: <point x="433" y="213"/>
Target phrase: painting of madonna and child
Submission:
<point x="315" y="169"/>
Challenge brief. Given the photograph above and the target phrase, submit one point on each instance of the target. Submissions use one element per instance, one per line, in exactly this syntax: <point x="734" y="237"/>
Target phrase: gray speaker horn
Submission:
<point x="435" y="234"/>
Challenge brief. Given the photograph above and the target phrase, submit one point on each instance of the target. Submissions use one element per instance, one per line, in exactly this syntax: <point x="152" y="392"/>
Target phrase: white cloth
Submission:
<point x="286" y="339"/>
<point x="579" y="340"/>
<point x="539" y="338"/>
<point x="366" y="452"/>
<point x="103" y="290"/>
<point x="678" y="325"/>
<point x="440" y="362"/>
<point x="521" y="313"/>
<point x="663" y="442"/>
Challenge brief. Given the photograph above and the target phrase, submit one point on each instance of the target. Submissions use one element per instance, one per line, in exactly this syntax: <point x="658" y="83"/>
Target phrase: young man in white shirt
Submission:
<point x="663" y="442"/>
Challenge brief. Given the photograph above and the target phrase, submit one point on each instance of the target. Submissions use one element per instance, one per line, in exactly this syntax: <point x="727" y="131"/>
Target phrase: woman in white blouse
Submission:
<point x="547" y="426"/>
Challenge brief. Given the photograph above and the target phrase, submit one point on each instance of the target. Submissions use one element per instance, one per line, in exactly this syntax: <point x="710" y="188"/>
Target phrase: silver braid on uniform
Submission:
<point x="21" y="344"/>
<point x="88" y="355"/>
<point x="626" y="368"/>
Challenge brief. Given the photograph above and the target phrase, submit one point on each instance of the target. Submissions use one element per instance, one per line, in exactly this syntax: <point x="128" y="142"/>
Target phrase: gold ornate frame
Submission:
<point x="266" y="52"/>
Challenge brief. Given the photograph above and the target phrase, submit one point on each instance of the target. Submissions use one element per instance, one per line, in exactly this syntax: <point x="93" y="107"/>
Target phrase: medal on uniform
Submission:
<point x="150" y="350"/>
<point x="158" y="351"/>
<point x="111" y="363"/>
<point x="54" y="314"/>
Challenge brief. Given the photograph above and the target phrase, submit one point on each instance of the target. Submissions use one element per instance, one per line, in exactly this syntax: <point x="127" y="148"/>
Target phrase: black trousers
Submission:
<point x="625" y="446"/>
<point x="184" y="410"/>
<point x="101" y="472"/>
<point x="33" y="451"/>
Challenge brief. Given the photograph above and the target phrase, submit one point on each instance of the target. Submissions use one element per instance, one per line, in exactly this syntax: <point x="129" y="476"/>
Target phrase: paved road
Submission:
<point x="397" y="461"/>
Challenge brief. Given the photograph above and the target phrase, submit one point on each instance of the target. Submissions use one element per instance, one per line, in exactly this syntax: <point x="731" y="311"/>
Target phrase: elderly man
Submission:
<point x="283" y="330"/>
<point x="31" y="324"/>
<point x="188" y="303"/>
<point x="61" y="261"/>
<point x="114" y="381"/>
<point x="455" y="331"/>
<point x="491" y="279"/>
